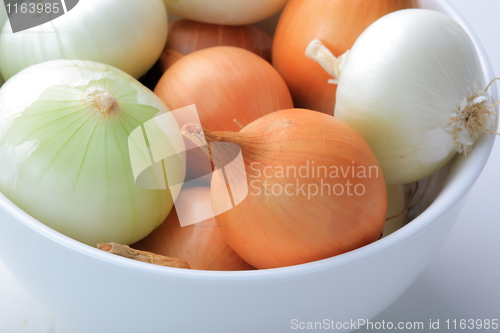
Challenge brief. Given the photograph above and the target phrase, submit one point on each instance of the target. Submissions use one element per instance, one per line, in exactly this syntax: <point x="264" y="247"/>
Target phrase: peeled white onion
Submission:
<point x="413" y="86"/>
<point x="225" y="12"/>
<point x="127" y="34"/>
<point x="64" y="155"/>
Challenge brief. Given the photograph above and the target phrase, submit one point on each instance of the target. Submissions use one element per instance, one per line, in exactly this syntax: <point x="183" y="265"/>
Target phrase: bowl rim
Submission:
<point x="456" y="188"/>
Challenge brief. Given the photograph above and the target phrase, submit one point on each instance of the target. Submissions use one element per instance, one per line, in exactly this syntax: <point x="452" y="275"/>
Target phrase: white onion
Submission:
<point x="406" y="86"/>
<point x="127" y="34"/>
<point x="64" y="157"/>
<point x="233" y="12"/>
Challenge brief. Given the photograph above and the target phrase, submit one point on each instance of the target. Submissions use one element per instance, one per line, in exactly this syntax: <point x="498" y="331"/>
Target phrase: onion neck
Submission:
<point x="318" y="52"/>
<point x="200" y="135"/>
<point x="471" y="119"/>
<point x="226" y="153"/>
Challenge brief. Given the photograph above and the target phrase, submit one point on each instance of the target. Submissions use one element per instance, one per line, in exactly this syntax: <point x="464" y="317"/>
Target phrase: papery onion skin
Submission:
<point x="201" y="244"/>
<point x="271" y="231"/>
<point x="400" y="86"/>
<point x="127" y="34"/>
<point x="186" y="36"/>
<point x="239" y="12"/>
<point x="64" y="159"/>
<point x="337" y="23"/>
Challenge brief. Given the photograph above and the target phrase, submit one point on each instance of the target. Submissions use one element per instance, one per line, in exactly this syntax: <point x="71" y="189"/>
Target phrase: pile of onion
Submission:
<point x="337" y="23"/>
<point x="297" y="169"/>
<point x="290" y="217"/>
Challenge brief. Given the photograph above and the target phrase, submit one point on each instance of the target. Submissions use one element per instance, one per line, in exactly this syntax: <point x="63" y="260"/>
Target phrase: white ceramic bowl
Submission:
<point x="98" y="292"/>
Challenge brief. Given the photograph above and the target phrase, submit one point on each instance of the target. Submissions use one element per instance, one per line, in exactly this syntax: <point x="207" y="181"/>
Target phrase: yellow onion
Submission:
<point x="201" y="244"/>
<point x="337" y="23"/>
<point x="225" y="83"/>
<point x="186" y="36"/>
<point x="313" y="188"/>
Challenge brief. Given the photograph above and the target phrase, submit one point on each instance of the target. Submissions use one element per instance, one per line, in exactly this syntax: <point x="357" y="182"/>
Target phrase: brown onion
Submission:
<point x="337" y="23"/>
<point x="202" y="244"/>
<point x="186" y="36"/>
<point x="285" y="224"/>
<point x="225" y="83"/>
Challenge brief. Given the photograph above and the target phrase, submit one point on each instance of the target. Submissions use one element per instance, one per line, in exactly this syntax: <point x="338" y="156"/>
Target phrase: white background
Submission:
<point x="462" y="282"/>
